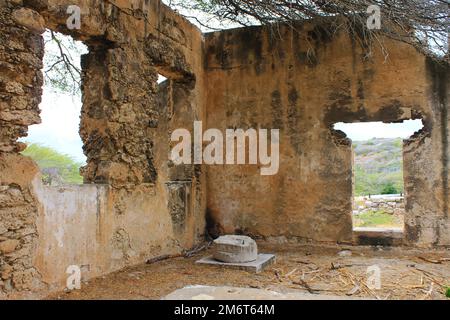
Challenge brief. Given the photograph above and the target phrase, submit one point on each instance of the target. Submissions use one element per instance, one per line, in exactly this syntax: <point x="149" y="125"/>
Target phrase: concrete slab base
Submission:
<point x="258" y="265"/>
<point x="233" y="293"/>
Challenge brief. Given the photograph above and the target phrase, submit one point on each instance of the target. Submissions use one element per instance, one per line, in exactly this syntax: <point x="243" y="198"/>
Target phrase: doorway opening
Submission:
<point x="378" y="172"/>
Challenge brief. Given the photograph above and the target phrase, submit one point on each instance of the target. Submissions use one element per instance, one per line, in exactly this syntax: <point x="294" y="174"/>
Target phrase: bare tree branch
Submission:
<point x="424" y="24"/>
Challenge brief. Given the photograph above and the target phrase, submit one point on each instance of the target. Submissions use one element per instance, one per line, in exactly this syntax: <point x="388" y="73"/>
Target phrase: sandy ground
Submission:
<point x="331" y="270"/>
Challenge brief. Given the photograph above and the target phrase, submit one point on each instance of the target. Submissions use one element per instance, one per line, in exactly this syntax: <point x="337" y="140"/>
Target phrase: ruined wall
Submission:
<point x="125" y="127"/>
<point x="302" y="82"/>
<point x="426" y="168"/>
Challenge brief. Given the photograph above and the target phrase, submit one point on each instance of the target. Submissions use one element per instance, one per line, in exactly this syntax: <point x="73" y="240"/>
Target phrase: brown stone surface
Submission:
<point x="8" y="246"/>
<point x="302" y="83"/>
<point x="30" y="19"/>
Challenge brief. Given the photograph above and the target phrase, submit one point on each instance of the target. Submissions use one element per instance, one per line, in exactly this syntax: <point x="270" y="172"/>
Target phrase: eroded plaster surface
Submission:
<point x="303" y="82"/>
<point x="124" y="214"/>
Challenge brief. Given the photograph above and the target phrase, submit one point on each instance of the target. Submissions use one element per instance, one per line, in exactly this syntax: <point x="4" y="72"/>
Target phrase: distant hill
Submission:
<point x="378" y="166"/>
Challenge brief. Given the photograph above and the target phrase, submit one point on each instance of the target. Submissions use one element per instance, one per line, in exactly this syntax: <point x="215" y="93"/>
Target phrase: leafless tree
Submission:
<point x="62" y="71"/>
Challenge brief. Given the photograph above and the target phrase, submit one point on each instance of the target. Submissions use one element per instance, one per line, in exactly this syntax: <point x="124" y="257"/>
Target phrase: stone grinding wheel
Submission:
<point x="235" y="249"/>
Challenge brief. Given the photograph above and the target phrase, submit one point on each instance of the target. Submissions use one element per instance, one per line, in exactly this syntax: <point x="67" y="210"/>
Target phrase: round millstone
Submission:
<point x="235" y="249"/>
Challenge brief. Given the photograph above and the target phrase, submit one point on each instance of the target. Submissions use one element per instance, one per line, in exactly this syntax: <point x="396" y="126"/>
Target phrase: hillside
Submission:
<point x="378" y="166"/>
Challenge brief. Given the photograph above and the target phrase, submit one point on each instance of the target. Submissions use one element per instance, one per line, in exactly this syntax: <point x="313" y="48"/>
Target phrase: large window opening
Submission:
<point x="378" y="180"/>
<point x="55" y="144"/>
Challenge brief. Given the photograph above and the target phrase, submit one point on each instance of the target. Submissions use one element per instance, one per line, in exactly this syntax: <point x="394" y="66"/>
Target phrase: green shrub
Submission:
<point x="378" y="167"/>
<point x="389" y="188"/>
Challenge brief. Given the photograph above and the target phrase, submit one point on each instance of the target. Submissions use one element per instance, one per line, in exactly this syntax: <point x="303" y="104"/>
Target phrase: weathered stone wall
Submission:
<point x="302" y="82"/>
<point x="125" y="127"/>
<point x="426" y="167"/>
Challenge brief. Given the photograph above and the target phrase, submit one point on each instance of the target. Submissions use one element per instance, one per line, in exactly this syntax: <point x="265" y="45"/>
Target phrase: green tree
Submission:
<point x="56" y="168"/>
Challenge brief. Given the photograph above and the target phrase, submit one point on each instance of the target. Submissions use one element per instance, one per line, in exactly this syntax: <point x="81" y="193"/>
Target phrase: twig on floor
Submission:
<point x="190" y="253"/>
<point x="431" y="276"/>
<point x="304" y="284"/>
<point x="185" y="254"/>
<point x="301" y="261"/>
<point x="162" y="258"/>
<point x="428" y="293"/>
<point x="291" y="273"/>
<point x="431" y="260"/>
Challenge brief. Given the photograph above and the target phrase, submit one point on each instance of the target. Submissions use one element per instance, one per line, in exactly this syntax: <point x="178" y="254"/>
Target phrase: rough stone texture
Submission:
<point x="233" y="249"/>
<point x="302" y="83"/>
<point x="21" y="55"/>
<point x="30" y="19"/>
<point x="389" y="205"/>
<point x="262" y="261"/>
<point x="18" y="234"/>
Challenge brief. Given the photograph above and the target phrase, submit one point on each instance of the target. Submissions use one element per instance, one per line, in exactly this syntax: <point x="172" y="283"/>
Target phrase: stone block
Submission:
<point x="9" y="246"/>
<point x="235" y="249"/>
<point x="262" y="261"/>
<point x="30" y="19"/>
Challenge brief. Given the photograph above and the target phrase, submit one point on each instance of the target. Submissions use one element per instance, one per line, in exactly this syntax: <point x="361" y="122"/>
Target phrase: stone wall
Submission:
<point x="303" y="81"/>
<point x="390" y="205"/>
<point x="426" y="163"/>
<point x="125" y="127"/>
<point x="21" y="52"/>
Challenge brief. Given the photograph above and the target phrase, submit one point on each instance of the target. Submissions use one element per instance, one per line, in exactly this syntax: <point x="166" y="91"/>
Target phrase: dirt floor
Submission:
<point x="330" y="270"/>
